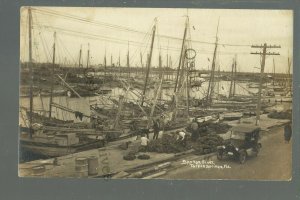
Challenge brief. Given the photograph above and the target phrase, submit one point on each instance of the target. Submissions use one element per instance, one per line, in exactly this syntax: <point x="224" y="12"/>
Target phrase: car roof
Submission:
<point x="245" y="128"/>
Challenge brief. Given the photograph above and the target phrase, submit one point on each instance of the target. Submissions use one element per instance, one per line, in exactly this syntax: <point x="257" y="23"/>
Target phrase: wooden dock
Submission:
<point x="110" y="158"/>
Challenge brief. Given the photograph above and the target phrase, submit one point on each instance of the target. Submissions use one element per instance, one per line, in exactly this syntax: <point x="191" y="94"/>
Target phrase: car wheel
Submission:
<point x="220" y="155"/>
<point x="242" y="156"/>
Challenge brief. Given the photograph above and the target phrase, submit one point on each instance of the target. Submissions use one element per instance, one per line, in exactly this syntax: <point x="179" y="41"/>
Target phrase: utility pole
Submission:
<point x="263" y="55"/>
<point x="52" y="76"/>
<point x="30" y="71"/>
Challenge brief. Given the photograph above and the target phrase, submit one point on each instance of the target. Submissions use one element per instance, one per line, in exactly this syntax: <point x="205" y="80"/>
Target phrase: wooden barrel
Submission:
<point x="93" y="165"/>
<point x="81" y="167"/>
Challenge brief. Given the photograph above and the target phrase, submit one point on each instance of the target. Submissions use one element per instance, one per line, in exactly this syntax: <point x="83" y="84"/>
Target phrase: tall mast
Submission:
<point x="158" y="92"/>
<point x="141" y="57"/>
<point x="80" y="52"/>
<point x="289" y="74"/>
<point x="52" y="76"/>
<point x="160" y="72"/>
<point x="234" y="76"/>
<point x="30" y="71"/>
<point x="218" y="87"/>
<point x="128" y="64"/>
<point x="88" y="56"/>
<point x="160" y="66"/>
<point x="273" y="72"/>
<point x="168" y="55"/>
<point x="119" y="64"/>
<point x="111" y="60"/>
<point x="167" y="61"/>
<point x="119" y="61"/>
<point x="149" y="63"/>
<point x="181" y="55"/>
<point x="170" y="65"/>
<point x="104" y="62"/>
<point x="231" y="81"/>
<point x="210" y="89"/>
<point x="182" y="70"/>
<point x="188" y="85"/>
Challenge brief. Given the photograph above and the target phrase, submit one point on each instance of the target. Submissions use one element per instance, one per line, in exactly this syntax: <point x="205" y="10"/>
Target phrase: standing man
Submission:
<point x="133" y="129"/>
<point x="162" y="123"/>
<point x="144" y="143"/>
<point x="94" y="122"/>
<point x="156" y="127"/>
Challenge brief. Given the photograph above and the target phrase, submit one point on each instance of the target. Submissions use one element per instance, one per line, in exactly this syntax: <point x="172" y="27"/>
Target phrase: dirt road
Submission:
<point x="274" y="162"/>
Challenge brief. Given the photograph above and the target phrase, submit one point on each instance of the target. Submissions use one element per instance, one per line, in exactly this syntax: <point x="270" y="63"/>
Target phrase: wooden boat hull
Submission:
<point x="54" y="150"/>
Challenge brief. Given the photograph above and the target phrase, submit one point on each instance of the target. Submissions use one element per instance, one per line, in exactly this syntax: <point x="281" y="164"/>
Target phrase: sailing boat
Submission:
<point x="52" y="141"/>
<point x="85" y="81"/>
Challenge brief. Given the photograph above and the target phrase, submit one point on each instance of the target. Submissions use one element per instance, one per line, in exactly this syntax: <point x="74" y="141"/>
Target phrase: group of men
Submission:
<point x="157" y="127"/>
<point x="181" y="137"/>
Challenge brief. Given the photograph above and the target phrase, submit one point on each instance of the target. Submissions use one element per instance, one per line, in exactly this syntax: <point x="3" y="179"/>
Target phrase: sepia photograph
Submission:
<point x="155" y="93"/>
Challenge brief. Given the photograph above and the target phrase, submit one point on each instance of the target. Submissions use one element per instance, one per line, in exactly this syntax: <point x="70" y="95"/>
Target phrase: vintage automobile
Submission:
<point x="243" y="142"/>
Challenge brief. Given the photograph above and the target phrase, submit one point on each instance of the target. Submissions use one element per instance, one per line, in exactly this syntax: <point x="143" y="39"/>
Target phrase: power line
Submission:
<point x="123" y="28"/>
<point x="121" y="41"/>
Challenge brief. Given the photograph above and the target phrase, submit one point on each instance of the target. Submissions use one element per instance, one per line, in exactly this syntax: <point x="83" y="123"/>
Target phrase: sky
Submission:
<point x="115" y="31"/>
